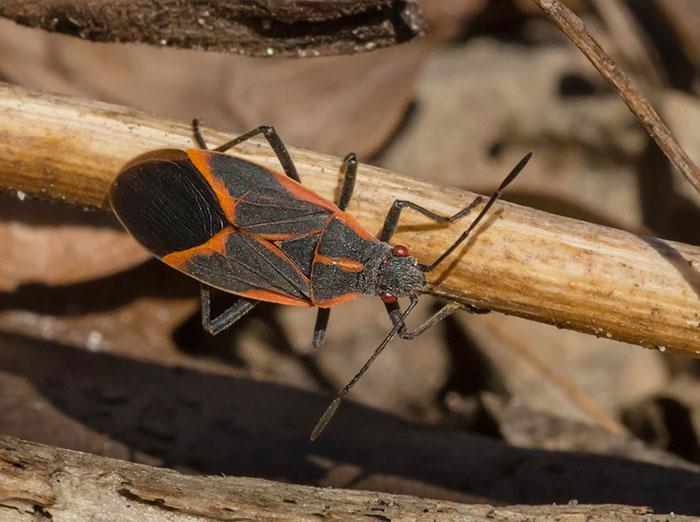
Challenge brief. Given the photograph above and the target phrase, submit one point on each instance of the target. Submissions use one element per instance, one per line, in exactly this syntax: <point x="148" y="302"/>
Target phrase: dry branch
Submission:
<point x="289" y="28"/>
<point x="39" y="482"/>
<point x="573" y="274"/>
<point x="572" y="26"/>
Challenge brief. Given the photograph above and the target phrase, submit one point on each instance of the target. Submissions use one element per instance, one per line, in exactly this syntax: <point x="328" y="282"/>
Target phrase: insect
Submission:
<point x="244" y="229"/>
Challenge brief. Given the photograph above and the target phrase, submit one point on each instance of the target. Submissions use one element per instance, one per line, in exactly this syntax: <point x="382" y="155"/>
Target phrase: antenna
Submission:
<point x="497" y="194"/>
<point x="335" y="404"/>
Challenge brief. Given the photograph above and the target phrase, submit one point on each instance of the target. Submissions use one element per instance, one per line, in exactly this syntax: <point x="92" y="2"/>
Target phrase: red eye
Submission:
<point x="400" y="251"/>
<point x="387" y="298"/>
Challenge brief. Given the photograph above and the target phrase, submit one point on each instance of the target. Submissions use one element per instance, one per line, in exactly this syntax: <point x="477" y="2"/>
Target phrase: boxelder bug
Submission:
<point x="247" y="230"/>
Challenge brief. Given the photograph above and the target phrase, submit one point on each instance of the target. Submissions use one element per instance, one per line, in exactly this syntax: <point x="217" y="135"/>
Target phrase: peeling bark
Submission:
<point x="40" y="482"/>
<point x="286" y="28"/>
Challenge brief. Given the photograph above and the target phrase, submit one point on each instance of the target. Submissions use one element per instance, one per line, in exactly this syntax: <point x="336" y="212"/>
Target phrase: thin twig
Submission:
<point x="524" y="262"/>
<point x="574" y="29"/>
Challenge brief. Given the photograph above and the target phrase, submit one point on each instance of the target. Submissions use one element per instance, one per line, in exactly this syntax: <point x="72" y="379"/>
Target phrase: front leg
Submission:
<point x="348" y="170"/>
<point x="392" y="218"/>
<point x="394" y="311"/>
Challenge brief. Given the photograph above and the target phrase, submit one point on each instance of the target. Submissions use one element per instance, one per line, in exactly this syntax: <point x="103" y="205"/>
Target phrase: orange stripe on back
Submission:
<point x="345" y="264"/>
<point x="308" y="195"/>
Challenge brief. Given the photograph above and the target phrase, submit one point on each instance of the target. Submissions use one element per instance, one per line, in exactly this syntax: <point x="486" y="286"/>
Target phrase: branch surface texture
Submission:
<point x="43" y="483"/>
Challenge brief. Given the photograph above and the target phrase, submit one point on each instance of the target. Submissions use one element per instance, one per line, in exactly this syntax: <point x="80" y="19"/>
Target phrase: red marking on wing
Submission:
<point x="308" y="195"/>
<point x="303" y="193"/>
<point x="200" y="159"/>
<point x="272" y="297"/>
<point x="217" y="244"/>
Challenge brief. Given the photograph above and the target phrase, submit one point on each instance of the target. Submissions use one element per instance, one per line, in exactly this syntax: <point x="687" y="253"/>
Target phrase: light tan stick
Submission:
<point x="573" y="28"/>
<point x="521" y="261"/>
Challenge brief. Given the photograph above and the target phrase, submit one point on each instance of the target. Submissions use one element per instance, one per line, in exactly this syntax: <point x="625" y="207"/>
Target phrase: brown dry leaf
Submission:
<point x="56" y="245"/>
<point x="527" y="428"/>
<point x="610" y="374"/>
<point x="132" y="314"/>
<point x="684" y="17"/>
<point x="505" y="100"/>
<point x="329" y="105"/>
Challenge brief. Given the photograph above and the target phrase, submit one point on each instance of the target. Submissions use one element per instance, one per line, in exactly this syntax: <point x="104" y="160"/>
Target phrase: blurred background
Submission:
<point x="101" y="348"/>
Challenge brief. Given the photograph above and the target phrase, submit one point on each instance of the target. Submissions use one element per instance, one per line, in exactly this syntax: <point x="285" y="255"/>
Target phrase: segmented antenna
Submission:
<point x="497" y="194"/>
<point x="335" y="404"/>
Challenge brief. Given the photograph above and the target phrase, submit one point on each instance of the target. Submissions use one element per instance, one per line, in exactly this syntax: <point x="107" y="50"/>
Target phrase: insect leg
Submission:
<point x="392" y="218"/>
<point x="198" y="135"/>
<point x="349" y="172"/>
<point x="227" y="317"/>
<point x="394" y="311"/>
<point x="335" y="404"/>
<point x="320" y="327"/>
<point x="276" y="144"/>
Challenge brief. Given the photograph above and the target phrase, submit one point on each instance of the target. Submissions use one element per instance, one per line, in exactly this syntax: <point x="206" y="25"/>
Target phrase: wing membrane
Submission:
<point x="246" y="265"/>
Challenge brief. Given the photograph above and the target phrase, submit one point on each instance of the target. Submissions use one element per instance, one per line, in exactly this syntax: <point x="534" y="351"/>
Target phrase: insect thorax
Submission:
<point x="388" y="273"/>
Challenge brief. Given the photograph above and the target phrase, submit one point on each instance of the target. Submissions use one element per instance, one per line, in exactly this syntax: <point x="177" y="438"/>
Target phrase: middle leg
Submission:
<point x="348" y="171"/>
<point x="394" y="311"/>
